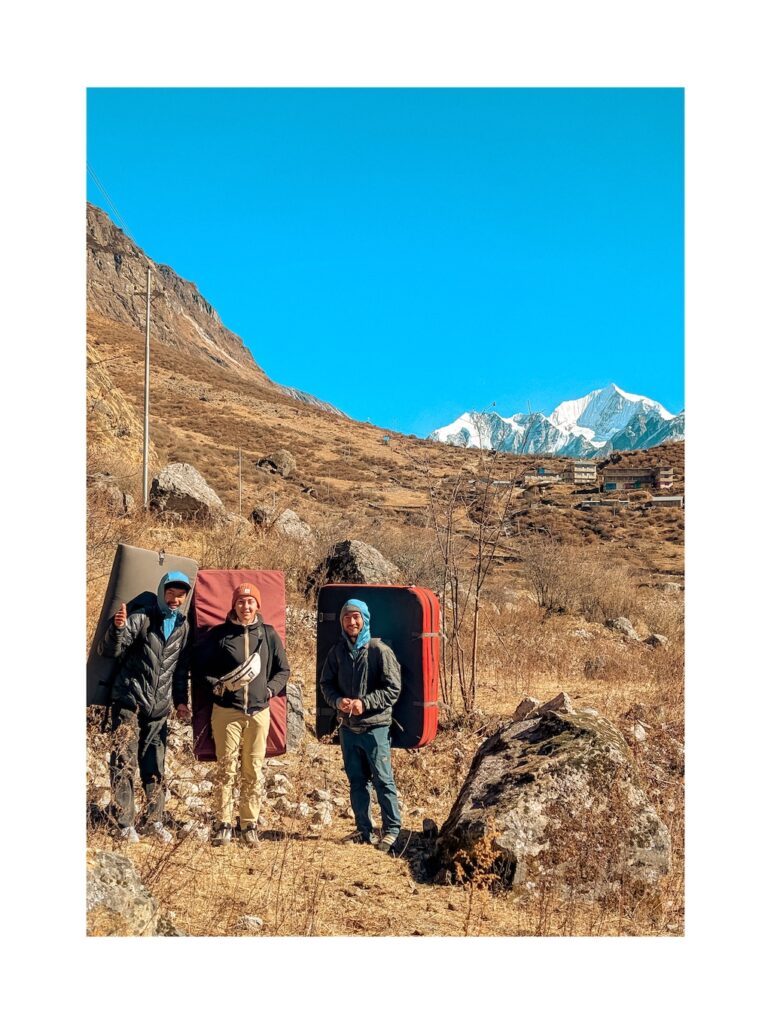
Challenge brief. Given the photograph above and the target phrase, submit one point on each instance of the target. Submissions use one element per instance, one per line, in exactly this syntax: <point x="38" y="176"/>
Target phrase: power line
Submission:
<point x="112" y="205"/>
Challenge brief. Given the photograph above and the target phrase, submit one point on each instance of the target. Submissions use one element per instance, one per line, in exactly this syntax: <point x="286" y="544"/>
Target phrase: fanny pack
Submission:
<point x="242" y="675"/>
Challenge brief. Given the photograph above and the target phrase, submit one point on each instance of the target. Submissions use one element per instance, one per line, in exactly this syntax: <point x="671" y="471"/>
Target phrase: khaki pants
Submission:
<point x="233" y="731"/>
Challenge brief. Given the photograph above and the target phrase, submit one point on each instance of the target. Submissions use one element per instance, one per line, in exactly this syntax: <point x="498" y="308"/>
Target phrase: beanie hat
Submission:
<point x="246" y="590"/>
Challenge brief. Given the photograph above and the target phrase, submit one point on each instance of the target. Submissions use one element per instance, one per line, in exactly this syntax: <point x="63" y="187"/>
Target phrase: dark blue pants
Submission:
<point x="367" y="759"/>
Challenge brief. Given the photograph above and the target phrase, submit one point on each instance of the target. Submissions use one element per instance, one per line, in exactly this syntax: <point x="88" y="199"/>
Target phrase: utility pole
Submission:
<point x="146" y="449"/>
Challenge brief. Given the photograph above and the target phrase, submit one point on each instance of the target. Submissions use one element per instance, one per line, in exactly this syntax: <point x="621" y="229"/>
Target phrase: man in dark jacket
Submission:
<point x="361" y="678"/>
<point x="245" y="664"/>
<point x="154" y="649"/>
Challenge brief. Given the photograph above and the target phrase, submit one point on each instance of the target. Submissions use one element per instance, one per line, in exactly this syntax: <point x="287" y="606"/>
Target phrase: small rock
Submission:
<point x="195" y="803"/>
<point x="524" y="709"/>
<point x="321" y="795"/>
<point x="657" y="640"/>
<point x="638" y="733"/>
<point x="323" y="815"/>
<point x="250" y="923"/>
<point x="622" y="625"/>
<point x="583" y="634"/>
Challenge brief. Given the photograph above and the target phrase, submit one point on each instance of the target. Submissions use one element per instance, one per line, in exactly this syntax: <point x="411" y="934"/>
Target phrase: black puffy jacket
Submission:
<point x="153" y="671"/>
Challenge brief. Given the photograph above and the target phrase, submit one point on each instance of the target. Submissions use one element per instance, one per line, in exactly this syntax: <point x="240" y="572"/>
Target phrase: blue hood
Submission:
<point x="363" y="638"/>
<point x="170" y="618"/>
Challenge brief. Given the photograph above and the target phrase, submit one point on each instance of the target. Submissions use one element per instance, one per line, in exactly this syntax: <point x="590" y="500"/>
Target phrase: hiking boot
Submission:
<point x="222" y="834"/>
<point x="250" y="836"/>
<point x="386" y="844"/>
<point x="128" y="835"/>
<point x="359" y="839"/>
<point x="156" y="830"/>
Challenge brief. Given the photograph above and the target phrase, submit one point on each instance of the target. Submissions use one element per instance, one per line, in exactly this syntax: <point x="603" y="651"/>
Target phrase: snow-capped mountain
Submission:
<point x="588" y="427"/>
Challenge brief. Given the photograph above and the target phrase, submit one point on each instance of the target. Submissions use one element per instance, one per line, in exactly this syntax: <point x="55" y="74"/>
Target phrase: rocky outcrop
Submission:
<point x="353" y="561"/>
<point x="117" y="903"/>
<point x="554" y="795"/>
<point x="179" y="488"/>
<point x="180" y="315"/>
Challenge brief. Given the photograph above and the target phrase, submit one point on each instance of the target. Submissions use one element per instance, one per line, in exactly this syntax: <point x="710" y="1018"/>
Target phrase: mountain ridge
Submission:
<point x="605" y="420"/>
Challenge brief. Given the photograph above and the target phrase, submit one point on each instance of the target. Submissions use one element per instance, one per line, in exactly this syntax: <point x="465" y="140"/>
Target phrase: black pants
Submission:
<point x="138" y="742"/>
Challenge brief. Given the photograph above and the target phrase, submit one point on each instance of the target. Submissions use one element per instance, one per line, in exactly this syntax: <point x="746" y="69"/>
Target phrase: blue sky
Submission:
<point x="409" y="254"/>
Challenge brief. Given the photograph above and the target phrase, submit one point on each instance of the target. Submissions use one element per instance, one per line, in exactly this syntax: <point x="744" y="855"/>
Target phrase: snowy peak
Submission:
<point x="605" y="412"/>
<point x="598" y="423"/>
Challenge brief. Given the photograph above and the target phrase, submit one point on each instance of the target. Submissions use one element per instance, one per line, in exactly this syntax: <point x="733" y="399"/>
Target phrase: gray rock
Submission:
<point x="184" y="788"/>
<point x="321" y="796"/>
<point x="295" y="717"/>
<point x="120" y="502"/>
<point x="250" y="923"/>
<point x="284" y="806"/>
<point x="261" y="516"/>
<point x="195" y="803"/>
<point x="556" y="797"/>
<point x="638" y="733"/>
<point x="622" y="625"/>
<point x="657" y="640"/>
<point x="117" y="902"/>
<point x="281" y="462"/>
<point x="582" y="634"/>
<point x="322" y="815"/>
<point x="353" y="561"/>
<point x="559" y="703"/>
<point x="180" y="488"/>
<point x="289" y="524"/>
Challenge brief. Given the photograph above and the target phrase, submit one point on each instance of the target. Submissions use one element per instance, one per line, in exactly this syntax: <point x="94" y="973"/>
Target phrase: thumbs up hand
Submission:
<point x="120" y="617"/>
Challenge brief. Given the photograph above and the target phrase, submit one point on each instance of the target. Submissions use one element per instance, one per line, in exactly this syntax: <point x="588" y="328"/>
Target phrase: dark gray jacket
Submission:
<point x="153" y="671"/>
<point x="374" y="677"/>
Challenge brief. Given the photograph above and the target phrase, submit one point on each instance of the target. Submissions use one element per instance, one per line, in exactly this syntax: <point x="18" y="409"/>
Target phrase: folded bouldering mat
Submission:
<point x="133" y="581"/>
<point x="211" y="606"/>
<point x="407" y="619"/>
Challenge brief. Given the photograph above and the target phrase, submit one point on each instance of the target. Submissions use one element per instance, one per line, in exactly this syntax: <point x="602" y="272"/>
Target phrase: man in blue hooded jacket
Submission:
<point x="154" y="650"/>
<point x="361" y="679"/>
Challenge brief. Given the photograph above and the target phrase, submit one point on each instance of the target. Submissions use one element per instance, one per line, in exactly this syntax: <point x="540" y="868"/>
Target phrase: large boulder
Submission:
<point x="281" y="462"/>
<point x="554" y="796"/>
<point x="179" y="488"/>
<point x="353" y="561"/>
<point x="117" y="903"/>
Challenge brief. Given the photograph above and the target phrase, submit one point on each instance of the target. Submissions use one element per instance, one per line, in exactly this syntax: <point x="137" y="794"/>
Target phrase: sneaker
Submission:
<point x="222" y="834"/>
<point x="128" y="835"/>
<point x="386" y="844"/>
<point x="250" y="836"/>
<point x="359" y="839"/>
<point x="157" y="831"/>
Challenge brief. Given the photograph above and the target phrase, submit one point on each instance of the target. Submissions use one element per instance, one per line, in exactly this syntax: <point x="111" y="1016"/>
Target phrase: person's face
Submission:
<point x="246" y="608"/>
<point x="174" y="597"/>
<point x="353" y="624"/>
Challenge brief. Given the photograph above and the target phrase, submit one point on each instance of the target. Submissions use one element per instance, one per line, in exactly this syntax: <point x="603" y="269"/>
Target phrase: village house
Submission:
<point x="633" y="478"/>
